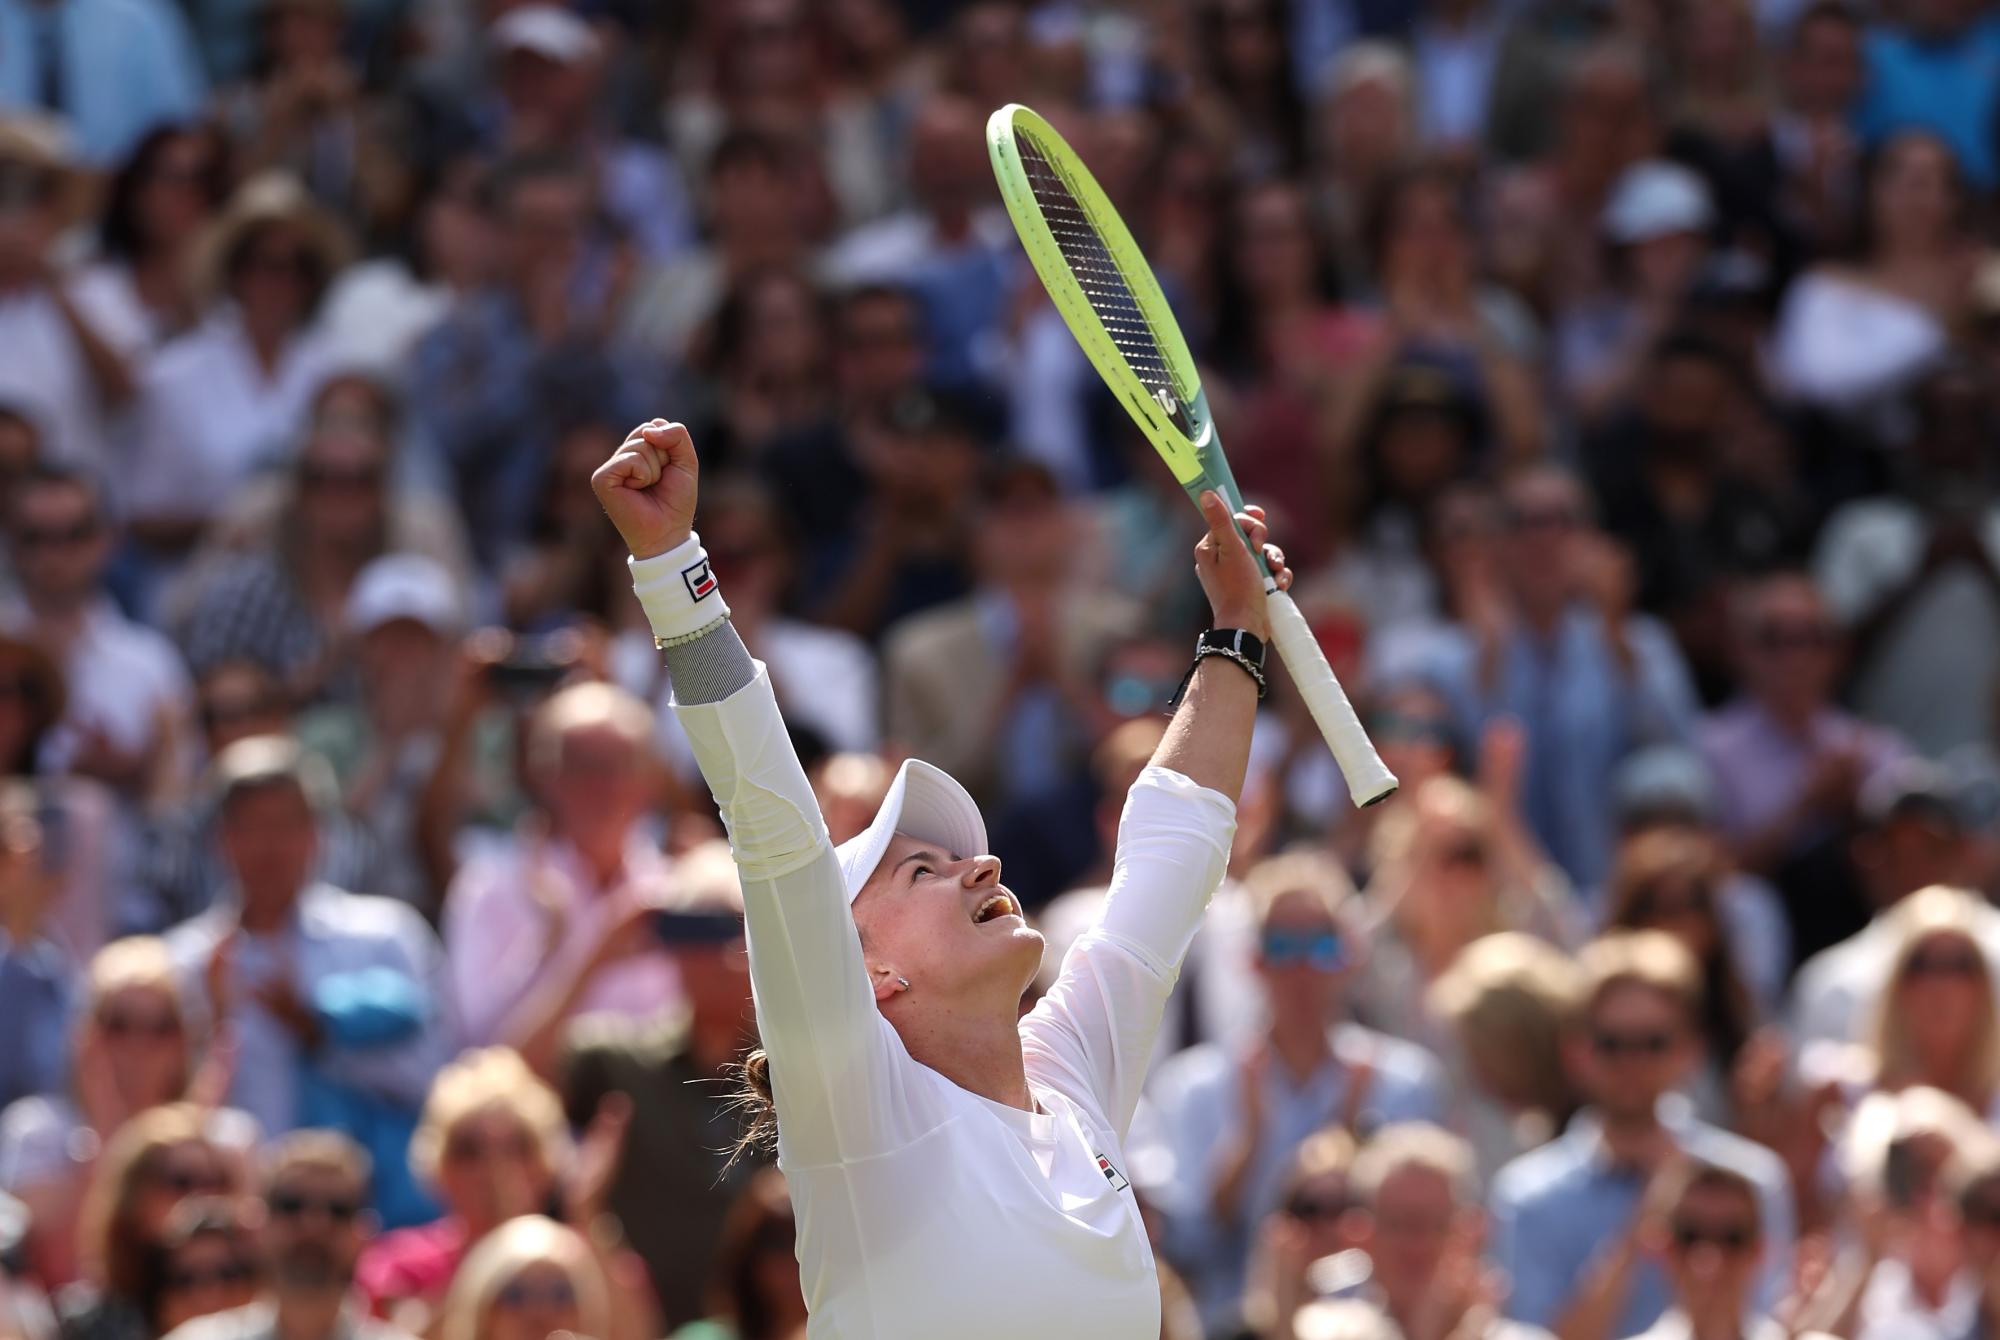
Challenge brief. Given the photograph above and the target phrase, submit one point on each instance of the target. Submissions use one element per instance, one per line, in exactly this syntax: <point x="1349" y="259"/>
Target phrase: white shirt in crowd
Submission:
<point x="211" y="417"/>
<point x="126" y="681"/>
<point x="44" y="372"/>
<point x="926" y="1210"/>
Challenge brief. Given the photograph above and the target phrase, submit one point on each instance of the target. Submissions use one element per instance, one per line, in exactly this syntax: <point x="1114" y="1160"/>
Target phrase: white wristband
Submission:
<point x="678" y="591"/>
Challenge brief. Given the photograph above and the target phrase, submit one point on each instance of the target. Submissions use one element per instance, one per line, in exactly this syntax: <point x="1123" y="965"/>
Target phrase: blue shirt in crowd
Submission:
<point x="34" y="1046"/>
<point x="112" y="69"/>
<point x="1950" y="88"/>
<point x="1557" y="1208"/>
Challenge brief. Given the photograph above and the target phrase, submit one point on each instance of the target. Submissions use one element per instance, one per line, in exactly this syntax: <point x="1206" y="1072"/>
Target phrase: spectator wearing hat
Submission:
<point x="1789" y="765"/>
<point x="70" y="360"/>
<point x="404" y="616"/>
<point x="129" y="720"/>
<point x="331" y="995"/>
<point x="1912" y="838"/>
<point x="111" y="69"/>
<point x="224" y="400"/>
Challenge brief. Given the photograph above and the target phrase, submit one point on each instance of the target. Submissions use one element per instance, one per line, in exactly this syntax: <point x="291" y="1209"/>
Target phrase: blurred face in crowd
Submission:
<point x="342" y="486"/>
<point x="880" y="351"/>
<point x="1824" y="71"/>
<point x="1252" y="42"/>
<point x="547" y="216"/>
<point x="60" y="543"/>
<point x="302" y="35"/>
<point x="176" y="197"/>
<point x="742" y="537"/>
<point x="1545" y="520"/>
<point x="1718" y="40"/>
<point x="1680" y="902"/>
<point x="1606" y="123"/>
<point x="919" y="916"/>
<point x="404" y="667"/>
<point x="1412" y="730"/>
<point x="1453" y="865"/>
<point x="933" y="467"/>
<point x="947" y="166"/>
<point x="1714" y="1246"/>
<point x="1304" y="959"/>
<point x="550" y="98"/>
<point x="1955" y="420"/>
<point x="1945" y="999"/>
<point x="784" y="333"/>
<point x="455" y="231"/>
<point x="1320" y="1204"/>
<point x="1687" y="398"/>
<point x="1791" y="653"/>
<point x="1634" y="1047"/>
<point x="316" y="1224"/>
<point x="209" y="1273"/>
<point x="1411" y="1223"/>
<point x="273" y="278"/>
<point x="754" y="206"/>
<point x="537" y="1301"/>
<point x="601" y="784"/>
<point x="1366" y="125"/>
<point x="1022" y="535"/>
<point x="1914" y="196"/>
<point x="29" y="219"/>
<point x="170" y="1175"/>
<point x="1422" y="449"/>
<point x="1425" y="243"/>
<point x="715" y="974"/>
<point x="145" y="1044"/>
<point x="769" y="49"/>
<point x="1915" y="847"/>
<point x="492" y="1168"/>
<point x="239" y="699"/>
<point x="269" y="840"/>
<point x="1274" y="252"/>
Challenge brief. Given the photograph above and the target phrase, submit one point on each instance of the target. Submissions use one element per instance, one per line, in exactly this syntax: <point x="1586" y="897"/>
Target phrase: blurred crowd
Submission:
<point x="1622" y="378"/>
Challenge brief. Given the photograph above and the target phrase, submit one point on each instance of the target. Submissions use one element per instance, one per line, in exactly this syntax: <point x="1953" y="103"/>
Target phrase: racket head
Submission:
<point x="1106" y="292"/>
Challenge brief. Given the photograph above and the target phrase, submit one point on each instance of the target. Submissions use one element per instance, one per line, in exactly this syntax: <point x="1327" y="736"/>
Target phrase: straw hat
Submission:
<point x="267" y="199"/>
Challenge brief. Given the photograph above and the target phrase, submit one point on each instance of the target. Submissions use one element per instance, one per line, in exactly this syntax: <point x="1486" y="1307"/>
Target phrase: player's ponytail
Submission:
<point x="757" y="1109"/>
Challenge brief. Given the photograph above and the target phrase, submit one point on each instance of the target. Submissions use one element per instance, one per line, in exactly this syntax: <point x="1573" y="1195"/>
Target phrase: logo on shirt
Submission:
<point x="1111" y="1173"/>
<point x="700" y="581"/>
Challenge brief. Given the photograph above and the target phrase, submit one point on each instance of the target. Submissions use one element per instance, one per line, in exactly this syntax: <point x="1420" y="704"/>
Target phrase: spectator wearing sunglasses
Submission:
<point x="529" y="1279"/>
<point x="1712" y="1243"/>
<point x="1567" y="1218"/>
<point x="1789" y="765"/>
<point x="160" y="1159"/>
<point x="1309" y="1225"/>
<point x="315" y="1194"/>
<point x="1234" y="1116"/>
<point x="132" y="1050"/>
<point x="207" y="1264"/>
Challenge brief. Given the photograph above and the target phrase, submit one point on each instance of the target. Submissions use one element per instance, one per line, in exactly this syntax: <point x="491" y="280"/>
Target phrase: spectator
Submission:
<point x="1557" y="647"/>
<point x="1914" y="569"/>
<point x="128" y="722"/>
<point x="35" y="966"/>
<point x="158" y="203"/>
<point x="70" y="364"/>
<point x="1850" y="338"/>
<point x="1913" y="841"/>
<point x="111" y="69"/>
<point x="330" y="994"/>
<point x="1712" y="1222"/>
<point x="1979" y="1217"/>
<point x="559" y="921"/>
<point x="1309" y="1225"/>
<point x="158" y="1160"/>
<point x="763" y="361"/>
<point x="755" y="1291"/>
<point x="315" y="1195"/>
<point x="491" y="1143"/>
<point x="276" y="593"/>
<point x="131" y="1050"/>
<point x="1790" y="766"/>
<point x="1234" y="1119"/>
<point x="676" y="1179"/>
<point x="1362" y="134"/>
<point x="1012" y="718"/>
<point x="1567" y="1217"/>
<point x="207" y="1264"/>
<point x="530" y="1278"/>
<point x="223" y="400"/>
<point x="570" y="566"/>
<point x="404" y="615"/>
<point x="1937" y="1021"/>
<point x="1506" y="1000"/>
<point x="1812" y="135"/>
<point x="1665" y="881"/>
<point x="1418" y="1218"/>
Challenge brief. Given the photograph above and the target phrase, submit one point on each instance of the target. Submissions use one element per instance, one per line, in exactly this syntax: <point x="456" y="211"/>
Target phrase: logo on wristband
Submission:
<point x="700" y="581"/>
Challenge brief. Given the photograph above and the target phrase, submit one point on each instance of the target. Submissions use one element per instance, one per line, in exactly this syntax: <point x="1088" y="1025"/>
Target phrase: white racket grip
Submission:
<point x="1368" y="777"/>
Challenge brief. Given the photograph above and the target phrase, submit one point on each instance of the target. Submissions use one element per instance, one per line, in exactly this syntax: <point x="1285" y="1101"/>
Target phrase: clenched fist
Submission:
<point x="648" y="487"/>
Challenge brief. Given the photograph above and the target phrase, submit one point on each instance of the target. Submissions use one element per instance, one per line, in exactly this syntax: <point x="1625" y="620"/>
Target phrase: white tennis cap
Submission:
<point x="924" y="802"/>
<point x="548" y="31"/>
<point x="405" y="586"/>
<point x="1657" y="199"/>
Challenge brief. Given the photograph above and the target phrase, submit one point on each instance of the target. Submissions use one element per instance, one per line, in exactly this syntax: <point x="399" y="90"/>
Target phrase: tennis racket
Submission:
<point x="1113" y="305"/>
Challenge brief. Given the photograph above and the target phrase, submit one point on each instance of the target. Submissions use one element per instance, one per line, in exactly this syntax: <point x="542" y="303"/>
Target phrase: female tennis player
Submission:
<point x="957" y="1170"/>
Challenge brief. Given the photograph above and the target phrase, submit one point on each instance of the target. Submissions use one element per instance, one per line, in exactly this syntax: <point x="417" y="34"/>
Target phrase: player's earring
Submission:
<point x="903" y="983"/>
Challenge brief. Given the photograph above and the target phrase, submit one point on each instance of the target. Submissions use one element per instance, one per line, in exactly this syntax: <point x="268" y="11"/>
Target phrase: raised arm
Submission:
<point x="833" y="1059"/>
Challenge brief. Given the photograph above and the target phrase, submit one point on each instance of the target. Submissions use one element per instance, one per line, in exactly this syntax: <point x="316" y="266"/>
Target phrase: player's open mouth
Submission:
<point x="999" y="905"/>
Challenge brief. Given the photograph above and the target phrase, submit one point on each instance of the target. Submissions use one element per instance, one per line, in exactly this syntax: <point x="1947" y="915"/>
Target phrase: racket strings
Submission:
<point x="1098" y="274"/>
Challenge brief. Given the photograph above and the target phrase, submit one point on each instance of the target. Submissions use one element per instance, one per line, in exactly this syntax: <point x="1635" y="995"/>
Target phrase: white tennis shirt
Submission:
<point x="926" y="1211"/>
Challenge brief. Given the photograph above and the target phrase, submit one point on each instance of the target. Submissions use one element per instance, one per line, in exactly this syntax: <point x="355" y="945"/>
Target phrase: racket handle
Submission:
<point x="1368" y="777"/>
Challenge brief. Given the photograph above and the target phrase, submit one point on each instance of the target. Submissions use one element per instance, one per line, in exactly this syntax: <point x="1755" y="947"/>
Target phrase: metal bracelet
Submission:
<point x="664" y="642"/>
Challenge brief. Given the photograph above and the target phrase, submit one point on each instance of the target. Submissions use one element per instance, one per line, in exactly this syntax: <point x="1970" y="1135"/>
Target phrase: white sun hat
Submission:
<point x="924" y="802"/>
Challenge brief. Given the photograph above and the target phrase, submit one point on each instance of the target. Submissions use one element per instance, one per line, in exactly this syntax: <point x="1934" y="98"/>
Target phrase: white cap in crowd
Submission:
<point x="405" y="586"/>
<point x="1657" y="199"/>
